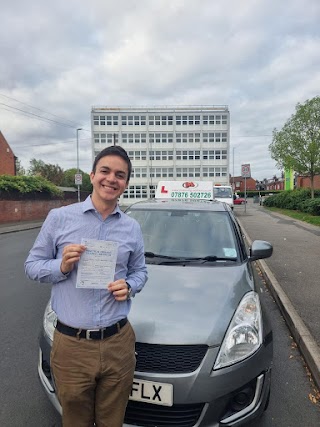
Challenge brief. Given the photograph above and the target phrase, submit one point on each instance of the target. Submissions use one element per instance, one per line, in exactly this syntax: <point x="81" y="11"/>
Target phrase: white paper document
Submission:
<point x="97" y="264"/>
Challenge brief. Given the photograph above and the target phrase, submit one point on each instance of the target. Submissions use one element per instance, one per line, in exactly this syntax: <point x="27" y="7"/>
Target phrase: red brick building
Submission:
<point x="238" y="183"/>
<point x="275" y="184"/>
<point x="7" y="158"/>
<point x="305" y="182"/>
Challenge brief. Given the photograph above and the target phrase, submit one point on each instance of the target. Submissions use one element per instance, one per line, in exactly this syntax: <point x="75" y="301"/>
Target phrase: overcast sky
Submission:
<point x="58" y="59"/>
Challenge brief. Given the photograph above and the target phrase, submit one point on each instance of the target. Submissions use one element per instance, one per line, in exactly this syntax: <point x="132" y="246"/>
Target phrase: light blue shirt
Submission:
<point x="87" y="308"/>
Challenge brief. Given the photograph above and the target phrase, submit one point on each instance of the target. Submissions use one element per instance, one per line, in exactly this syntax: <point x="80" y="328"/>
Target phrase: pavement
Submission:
<point x="292" y="273"/>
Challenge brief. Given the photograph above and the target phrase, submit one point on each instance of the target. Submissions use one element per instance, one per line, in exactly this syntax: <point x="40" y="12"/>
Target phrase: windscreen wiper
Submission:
<point x="153" y="255"/>
<point x="184" y="260"/>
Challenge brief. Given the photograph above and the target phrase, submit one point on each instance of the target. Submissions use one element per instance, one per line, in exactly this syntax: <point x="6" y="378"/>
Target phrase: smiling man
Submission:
<point x="93" y="354"/>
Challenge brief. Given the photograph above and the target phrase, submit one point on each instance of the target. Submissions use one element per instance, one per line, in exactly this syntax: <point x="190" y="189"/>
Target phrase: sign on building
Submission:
<point x="245" y="171"/>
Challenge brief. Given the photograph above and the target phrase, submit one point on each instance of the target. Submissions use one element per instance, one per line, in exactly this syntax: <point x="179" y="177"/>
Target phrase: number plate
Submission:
<point x="152" y="392"/>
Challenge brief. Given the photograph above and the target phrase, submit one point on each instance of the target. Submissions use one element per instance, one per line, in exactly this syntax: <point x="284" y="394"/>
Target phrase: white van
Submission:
<point x="223" y="193"/>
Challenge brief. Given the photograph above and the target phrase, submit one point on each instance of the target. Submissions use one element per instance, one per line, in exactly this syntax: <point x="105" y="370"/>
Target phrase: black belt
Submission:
<point x="91" y="334"/>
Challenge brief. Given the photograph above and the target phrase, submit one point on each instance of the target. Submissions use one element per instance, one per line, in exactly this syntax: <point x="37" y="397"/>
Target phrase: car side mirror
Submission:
<point x="260" y="249"/>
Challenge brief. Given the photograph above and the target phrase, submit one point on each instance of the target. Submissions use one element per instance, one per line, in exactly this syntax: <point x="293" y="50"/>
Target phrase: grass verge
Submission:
<point x="302" y="216"/>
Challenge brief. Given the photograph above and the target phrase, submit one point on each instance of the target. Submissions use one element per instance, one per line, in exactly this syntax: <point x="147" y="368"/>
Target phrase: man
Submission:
<point x="93" y="370"/>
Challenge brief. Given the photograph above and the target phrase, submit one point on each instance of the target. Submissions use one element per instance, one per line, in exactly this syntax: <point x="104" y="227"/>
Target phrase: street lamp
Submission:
<point x="233" y="168"/>
<point x="78" y="170"/>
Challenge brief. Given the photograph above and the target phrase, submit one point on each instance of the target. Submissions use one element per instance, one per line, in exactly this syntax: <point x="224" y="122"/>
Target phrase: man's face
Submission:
<point x="110" y="179"/>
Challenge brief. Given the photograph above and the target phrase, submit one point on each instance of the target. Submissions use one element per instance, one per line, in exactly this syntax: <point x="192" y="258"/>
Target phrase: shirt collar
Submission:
<point x="87" y="205"/>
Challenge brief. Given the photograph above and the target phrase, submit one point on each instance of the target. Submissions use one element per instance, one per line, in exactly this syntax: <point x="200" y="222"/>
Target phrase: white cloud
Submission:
<point x="259" y="57"/>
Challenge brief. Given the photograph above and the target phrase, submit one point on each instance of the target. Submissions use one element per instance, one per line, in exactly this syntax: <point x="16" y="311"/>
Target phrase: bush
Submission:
<point x="311" y="206"/>
<point x="299" y="200"/>
<point x="290" y="199"/>
<point x="32" y="185"/>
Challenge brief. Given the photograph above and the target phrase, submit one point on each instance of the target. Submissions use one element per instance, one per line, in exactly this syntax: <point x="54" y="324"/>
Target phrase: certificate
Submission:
<point x="97" y="264"/>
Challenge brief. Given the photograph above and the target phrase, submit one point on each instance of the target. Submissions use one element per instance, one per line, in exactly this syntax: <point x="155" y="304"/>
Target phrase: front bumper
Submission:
<point x="227" y="397"/>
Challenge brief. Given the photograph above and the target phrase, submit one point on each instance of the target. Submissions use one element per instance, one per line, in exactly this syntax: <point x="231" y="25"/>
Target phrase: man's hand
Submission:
<point x="70" y="255"/>
<point x="119" y="289"/>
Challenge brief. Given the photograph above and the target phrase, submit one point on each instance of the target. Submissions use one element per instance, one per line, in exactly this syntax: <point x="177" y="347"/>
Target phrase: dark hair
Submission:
<point x="113" y="150"/>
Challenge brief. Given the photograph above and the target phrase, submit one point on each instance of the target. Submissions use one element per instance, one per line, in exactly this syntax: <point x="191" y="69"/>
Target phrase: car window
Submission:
<point x="222" y="192"/>
<point x="187" y="233"/>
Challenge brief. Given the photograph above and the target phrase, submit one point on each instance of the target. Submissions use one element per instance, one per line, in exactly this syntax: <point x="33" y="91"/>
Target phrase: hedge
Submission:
<point x="22" y="187"/>
<point x="299" y="200"/>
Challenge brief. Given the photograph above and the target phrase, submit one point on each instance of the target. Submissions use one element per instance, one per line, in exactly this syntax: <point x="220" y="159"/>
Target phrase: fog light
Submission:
<point x="46" y="369"/>
<point x="242" y="399"/>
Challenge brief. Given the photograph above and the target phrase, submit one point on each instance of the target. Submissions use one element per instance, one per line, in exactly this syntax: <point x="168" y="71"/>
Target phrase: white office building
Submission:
<point x="166" y="143"/>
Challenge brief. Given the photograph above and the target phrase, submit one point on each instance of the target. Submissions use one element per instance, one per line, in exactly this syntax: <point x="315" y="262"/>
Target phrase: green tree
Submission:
<point x="297" y="144"/>
<point x="53" y="173"/>
<point x="68" y="179"/>
<point x="20" y="170"/>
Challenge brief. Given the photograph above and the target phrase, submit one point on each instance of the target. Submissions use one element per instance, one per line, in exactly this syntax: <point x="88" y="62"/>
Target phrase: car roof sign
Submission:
<point x="198" y="190"/>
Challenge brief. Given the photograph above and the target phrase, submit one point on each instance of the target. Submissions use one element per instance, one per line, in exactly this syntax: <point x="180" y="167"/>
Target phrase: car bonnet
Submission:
<point x="188" y="305"/>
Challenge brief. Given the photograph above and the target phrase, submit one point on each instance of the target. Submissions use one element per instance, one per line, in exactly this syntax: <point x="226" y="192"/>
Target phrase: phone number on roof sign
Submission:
<point x="191" y="195"/>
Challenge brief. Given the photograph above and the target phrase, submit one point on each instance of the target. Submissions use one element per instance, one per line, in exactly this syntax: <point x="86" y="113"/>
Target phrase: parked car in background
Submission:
<point x="223" y="193"/>
<point x="203" y="342"/>
<point x="239" y="201"/>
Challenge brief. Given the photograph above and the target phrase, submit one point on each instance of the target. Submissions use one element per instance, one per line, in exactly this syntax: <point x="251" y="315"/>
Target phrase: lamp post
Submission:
<point x="78" y="170"/>
<point x="233" y="168"/>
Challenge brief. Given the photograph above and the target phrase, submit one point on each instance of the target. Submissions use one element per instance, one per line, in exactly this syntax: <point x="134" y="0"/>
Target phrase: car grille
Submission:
<point x="169" y="358"/>
<point x="148" y="415"/>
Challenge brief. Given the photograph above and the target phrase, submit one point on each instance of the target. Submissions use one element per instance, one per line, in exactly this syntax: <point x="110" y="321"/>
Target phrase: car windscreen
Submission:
<point x="222" y="192"/>
<point x="187" y="234"/>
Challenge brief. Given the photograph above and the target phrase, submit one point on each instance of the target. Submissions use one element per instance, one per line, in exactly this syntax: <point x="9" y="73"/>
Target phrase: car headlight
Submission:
<point x="244" y="335"/>
<point x="49" y="321"/>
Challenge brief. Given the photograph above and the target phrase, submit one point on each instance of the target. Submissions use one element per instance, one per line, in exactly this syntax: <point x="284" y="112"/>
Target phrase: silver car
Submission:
<point x="203" y="342"/>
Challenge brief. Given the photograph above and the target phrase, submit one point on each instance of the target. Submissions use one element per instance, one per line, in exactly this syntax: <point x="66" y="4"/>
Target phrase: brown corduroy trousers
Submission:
<point x="93" y="378"/>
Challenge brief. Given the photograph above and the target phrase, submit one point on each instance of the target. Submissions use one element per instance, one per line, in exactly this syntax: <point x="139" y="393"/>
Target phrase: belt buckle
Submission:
<point x="88" y="332"/>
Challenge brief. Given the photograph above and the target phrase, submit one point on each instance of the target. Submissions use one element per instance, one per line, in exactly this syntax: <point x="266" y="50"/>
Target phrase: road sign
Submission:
<point x="78" y="179"/>
<point x="245" y="171"/>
